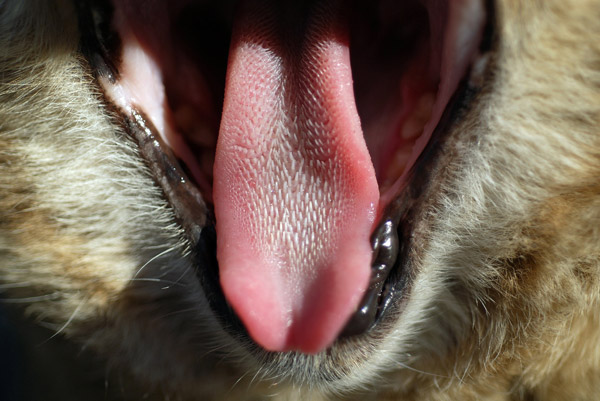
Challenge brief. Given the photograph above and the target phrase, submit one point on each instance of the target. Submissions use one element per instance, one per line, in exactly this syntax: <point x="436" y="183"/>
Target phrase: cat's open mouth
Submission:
<point x="297" y="124"/>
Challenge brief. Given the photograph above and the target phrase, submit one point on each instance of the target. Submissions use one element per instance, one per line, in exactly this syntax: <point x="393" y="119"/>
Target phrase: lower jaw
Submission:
<point x="172" y="110"/>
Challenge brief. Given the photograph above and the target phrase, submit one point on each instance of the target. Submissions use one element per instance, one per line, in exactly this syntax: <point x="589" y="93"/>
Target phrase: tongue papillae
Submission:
<point x="294" y="187"/>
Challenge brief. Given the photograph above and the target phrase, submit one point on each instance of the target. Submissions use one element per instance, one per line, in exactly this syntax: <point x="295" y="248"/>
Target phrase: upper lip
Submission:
<point x="392" y="240"/>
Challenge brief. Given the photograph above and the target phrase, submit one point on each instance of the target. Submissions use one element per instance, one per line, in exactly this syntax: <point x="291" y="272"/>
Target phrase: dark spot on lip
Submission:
<point x="100" y="45"/>
<point x="385" y="253"/>
<point x="187" y="202"/>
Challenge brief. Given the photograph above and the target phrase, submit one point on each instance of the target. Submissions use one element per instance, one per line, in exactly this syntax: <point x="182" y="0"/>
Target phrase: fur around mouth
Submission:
<point x="163" y="68"/>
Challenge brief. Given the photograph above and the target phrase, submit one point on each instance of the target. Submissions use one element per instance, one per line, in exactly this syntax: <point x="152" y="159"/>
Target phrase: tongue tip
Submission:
<point x="280" y="320"/>
<point x="256" y="301"/>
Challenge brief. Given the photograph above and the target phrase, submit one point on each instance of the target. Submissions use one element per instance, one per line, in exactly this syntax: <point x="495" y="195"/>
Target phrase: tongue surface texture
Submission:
<point x="294" y="187"/>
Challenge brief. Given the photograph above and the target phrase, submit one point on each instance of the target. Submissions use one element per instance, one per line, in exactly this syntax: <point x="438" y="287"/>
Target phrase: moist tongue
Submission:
<point x="294" y="187"/>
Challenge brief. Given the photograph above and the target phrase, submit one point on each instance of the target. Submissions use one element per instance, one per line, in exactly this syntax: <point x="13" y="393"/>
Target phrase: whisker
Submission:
<point x="405" y="366"/>
<point x="64" y="326"/>
<point x="152" y="259"/>
<point x="40" y="298"/>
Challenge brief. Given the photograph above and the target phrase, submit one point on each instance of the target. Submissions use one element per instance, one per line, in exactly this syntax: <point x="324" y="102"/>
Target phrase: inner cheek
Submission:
<point x="396" y="71"/>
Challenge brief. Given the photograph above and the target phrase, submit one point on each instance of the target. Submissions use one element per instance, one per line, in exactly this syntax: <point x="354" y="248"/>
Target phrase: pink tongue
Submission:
<point x="294" y="187"/>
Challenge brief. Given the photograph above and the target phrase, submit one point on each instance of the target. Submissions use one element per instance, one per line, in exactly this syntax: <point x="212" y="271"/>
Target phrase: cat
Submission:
<point x="317" y="200"/>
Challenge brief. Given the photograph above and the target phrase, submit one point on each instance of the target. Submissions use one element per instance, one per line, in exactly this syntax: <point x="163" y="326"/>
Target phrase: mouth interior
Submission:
<point x="406" y="58"/>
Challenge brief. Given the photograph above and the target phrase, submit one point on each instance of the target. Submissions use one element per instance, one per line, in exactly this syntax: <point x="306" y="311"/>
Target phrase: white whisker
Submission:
<point x="64" y="326"/>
